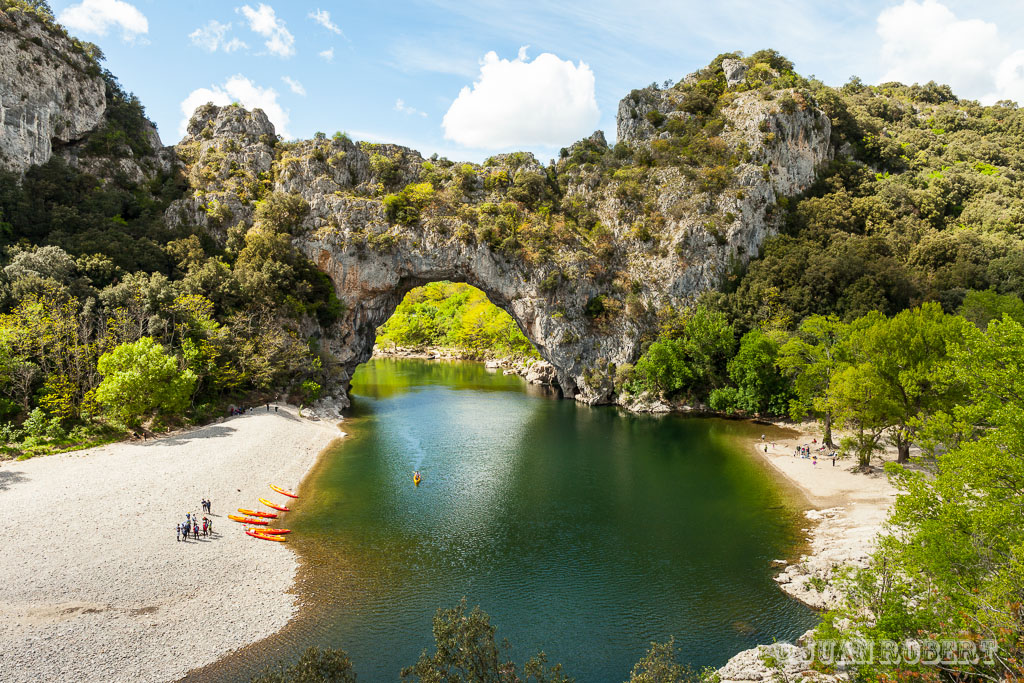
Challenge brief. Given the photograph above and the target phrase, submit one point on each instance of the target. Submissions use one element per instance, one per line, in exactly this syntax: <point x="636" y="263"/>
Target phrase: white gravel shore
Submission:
<point x="95" y="586"/>
<point x="849" y="509"/>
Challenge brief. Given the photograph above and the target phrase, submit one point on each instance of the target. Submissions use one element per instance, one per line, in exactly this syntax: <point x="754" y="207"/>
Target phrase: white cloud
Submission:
<point x="235" y="44"/>
<point x="295" y="86"/>
<point x="519" y="103"/>
<point x="1010" y="79"/>
<point x="923" y="40"/>
<point x="401" y="106"/>
<point x="239" y="89"/>
<point x="323" y="17"/>
<point x="264" y="21"/>
<point x="327" y="55"/>
<point x="97" y="16"/>
<point x="211" y="36"/>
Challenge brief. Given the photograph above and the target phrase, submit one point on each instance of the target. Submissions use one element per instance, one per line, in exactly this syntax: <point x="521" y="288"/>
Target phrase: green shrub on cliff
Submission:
<point x="405" y="207"/>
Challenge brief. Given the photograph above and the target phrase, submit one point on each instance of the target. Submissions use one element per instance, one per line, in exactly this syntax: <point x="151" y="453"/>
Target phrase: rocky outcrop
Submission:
<point x="735" y="71"/>
<point x="51" y="92"/>
<point x="653" y="236"/>
<point x="777" y="662"/>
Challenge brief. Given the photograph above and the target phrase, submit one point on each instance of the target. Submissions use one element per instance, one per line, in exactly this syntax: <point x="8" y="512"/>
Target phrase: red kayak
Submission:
<point x="257" y="513"/>
<point x="275" y="531"/>
<point x="276" y="507"/>
<point x="265" y="537"/>
<point x="247" y="520"/>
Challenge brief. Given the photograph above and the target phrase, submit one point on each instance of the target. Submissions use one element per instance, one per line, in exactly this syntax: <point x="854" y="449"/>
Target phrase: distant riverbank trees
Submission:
<point x="454" y="315"/>
<point x="876" y="376"/>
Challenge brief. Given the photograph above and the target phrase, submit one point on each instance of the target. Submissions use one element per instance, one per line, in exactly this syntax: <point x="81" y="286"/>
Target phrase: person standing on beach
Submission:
<point x="177" y="532"/>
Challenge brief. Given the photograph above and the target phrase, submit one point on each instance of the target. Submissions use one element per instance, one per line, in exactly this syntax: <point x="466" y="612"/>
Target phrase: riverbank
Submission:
<point x="848" y="509"/>
<point x="97" y="587"/>
<point x="533" y="370"/>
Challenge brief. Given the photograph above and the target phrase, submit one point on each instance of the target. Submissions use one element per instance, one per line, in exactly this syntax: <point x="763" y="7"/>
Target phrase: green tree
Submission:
<point x="951" y="564"/>
<point x="689" y="357"/>
<point x="859" y="400"/>
<point x="282" y="212"/>
<point x="898" y="360"/>
<point x="812" y="357"/>
<point x="759" y="386"/>
<point x="466" y="650"/>
<point x="141" y="379"/>
<point x="982" y="307"/>
<point x="661" y="665"/>
<point x="314" y="666"/>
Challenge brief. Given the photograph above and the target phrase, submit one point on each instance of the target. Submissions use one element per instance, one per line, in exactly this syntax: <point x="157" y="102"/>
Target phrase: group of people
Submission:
<point x="193" y="525"/>
<point x="232" y="411"/>
<point x="806" y="452"/>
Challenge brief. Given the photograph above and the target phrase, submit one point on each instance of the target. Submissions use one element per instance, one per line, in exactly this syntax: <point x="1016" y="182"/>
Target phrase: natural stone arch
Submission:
<point x="588" y="298"/>
<point x="371" y="287"/>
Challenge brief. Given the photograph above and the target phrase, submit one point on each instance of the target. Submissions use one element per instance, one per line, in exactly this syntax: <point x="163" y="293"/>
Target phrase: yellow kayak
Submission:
<point x="265" y="537"/>
<point x="282" y="508"/>
<point x="284" y="492"/>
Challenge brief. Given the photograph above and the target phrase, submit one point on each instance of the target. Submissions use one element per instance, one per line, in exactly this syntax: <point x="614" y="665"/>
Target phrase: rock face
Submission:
<point x="51" y="94"/>
<point x="584" y="307"/>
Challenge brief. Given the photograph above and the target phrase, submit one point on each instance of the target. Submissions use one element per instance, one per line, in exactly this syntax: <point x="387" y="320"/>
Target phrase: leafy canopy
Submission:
<point x="141" y="379"/>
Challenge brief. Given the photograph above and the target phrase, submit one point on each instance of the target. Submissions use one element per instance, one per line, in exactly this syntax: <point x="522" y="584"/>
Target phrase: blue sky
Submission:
<point x="468" y="79"/>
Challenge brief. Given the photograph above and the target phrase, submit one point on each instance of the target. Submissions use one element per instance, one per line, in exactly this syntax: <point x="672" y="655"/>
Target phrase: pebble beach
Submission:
<point x="96" y="586"/>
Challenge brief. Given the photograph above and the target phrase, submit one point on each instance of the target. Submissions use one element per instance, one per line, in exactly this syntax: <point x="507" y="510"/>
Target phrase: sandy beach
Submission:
<point x="96" y="586"/>
<point x="847" y="511"/>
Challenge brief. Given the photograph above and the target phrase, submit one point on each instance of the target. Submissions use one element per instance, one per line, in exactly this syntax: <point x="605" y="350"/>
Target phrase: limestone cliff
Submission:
<point x="582" y="254"/>
<point x="51" y="91"/>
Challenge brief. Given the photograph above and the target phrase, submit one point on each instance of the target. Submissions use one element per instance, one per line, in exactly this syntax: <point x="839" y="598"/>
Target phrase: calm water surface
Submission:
<point x="583" y="532"/>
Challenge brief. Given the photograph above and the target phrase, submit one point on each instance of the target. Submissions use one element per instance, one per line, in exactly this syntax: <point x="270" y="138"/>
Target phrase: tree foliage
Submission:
<point x="314" y="666"/>
<point x="951" y="565"/>
<point x="140" y="379"/>
<point x="466" y="650"/>
<point x="454" y="315"/>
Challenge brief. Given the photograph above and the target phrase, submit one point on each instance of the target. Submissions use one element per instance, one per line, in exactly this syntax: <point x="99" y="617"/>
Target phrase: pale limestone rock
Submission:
<point x="373" y="262"/>
<point x="49" y="96"/>
<point x="735" y="71"/>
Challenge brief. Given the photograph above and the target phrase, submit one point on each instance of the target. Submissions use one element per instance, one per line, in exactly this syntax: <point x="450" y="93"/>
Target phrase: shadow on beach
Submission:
<point x="9" y="478"/>
<point x="213" y="431"/>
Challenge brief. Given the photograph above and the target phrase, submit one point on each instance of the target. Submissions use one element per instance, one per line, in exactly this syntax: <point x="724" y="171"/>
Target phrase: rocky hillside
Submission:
<point x="51" y="91"/>
<point x="583" y="254"/>
<point x="792" y="197"/>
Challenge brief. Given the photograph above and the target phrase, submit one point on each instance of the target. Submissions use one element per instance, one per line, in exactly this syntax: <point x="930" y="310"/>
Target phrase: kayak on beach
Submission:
<point x="258" y="513"/>
<point x="283" y="492"/>
<point x="282" y="508"/>
<point x="265" y="537"/>
<point x="275" y="532"/>
<point x="247" y="520"/>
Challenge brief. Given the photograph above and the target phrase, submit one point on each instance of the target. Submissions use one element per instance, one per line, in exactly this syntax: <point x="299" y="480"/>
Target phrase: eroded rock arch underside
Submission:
<point x="621" y="239"/>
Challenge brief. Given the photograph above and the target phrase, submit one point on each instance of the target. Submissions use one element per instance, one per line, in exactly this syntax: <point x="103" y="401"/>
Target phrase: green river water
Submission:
<point x="584" y="532"/>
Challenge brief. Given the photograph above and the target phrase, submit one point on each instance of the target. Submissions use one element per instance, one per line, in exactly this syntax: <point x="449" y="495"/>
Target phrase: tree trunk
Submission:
<point x="903" y="448"/>
<point x="827" y="438"/>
